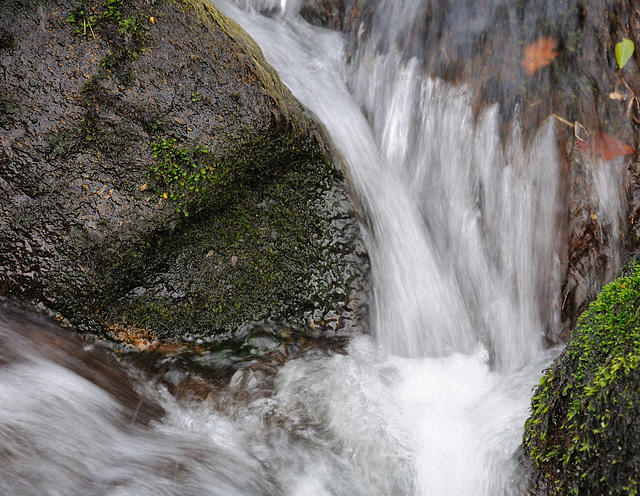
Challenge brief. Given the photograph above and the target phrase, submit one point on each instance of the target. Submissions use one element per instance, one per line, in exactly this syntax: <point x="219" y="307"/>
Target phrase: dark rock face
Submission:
<point x="157" y="179"/>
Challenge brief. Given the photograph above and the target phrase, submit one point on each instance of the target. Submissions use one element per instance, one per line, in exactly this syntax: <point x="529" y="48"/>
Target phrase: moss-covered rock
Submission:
<point x="156" y="177"/>
<point x="583" y="434"/>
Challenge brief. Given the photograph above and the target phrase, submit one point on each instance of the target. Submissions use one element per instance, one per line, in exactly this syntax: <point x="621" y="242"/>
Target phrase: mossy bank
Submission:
<point x="583" y="435"/>
<point x="158" y="179"/>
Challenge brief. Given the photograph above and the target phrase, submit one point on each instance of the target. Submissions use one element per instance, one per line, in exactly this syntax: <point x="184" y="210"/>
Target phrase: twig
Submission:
<point x="575" y="125"/>
<point x="565" y="300"/>
<point x="634" y="97"/>
<point x="564" y="121"/>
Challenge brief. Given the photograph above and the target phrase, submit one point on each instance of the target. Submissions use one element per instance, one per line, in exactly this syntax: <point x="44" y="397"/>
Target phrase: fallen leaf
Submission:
<point x="152" y="20"/>
<point x="539" y="54"/>
<point x="140" y="338"/>
<point x="354" y="15"/>
<point x="604" y="146"/>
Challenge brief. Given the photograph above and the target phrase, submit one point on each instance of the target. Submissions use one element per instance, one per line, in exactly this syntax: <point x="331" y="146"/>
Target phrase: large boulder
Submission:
<point x="158" y="181"/>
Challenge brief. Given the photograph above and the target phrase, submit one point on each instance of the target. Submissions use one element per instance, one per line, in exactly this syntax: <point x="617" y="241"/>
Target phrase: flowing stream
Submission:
<point x="462" y="231"/>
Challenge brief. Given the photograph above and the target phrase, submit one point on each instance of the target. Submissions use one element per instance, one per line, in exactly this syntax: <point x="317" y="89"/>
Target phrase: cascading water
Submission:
<point x="462" y="231"/>
<point x="455" y="222"/>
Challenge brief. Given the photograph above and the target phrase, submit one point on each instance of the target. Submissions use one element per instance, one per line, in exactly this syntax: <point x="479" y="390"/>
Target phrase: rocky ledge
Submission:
<point x="159" y="182"/>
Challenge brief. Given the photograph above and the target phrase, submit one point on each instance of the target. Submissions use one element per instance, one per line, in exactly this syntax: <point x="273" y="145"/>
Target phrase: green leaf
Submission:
<point x="624" y="51"/>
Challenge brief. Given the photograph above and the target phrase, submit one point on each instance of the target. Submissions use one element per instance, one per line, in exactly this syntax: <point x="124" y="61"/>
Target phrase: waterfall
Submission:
<point x="462" y="234"/>
<point x="456" y="224"/>
<point x="462" y="223"/>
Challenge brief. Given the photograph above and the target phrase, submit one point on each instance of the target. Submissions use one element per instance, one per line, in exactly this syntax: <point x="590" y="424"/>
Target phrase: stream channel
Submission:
<point x="461" y="229"/>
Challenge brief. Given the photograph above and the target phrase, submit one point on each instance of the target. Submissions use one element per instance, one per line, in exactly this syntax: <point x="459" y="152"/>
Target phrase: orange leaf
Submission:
<point x="538" y="54"/>
<point x="604" y="146"/>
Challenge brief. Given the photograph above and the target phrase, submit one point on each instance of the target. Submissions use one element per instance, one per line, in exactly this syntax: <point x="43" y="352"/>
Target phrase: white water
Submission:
<point x="368" y="423"/>
<point x="463" y="237"/>
<point x="456" y="225"/>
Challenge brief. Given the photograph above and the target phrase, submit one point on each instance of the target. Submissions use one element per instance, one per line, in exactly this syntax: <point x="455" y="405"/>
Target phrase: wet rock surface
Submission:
<point x="158" y="182"/>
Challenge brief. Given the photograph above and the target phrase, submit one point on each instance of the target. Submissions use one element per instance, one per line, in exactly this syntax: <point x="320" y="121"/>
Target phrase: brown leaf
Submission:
<point x="604" y="146"/>
<point x="539" y="54"/>
<point x="354" y="15"/>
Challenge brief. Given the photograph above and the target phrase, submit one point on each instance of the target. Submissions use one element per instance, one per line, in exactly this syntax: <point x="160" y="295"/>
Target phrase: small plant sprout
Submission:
<point x="624" y="51"/>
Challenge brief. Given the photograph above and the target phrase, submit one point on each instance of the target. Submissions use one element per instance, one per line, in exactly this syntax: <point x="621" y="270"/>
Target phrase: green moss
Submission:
<point x="195" y="178"/>
<point x="247" y="237"/>
<point x="252" y="260"/>
<point x="582" y="433"/>
<point x="92" y="18"/>
<point x="120" y="24"/>
<point x="186" y="173"/>
<point x="81" y="18"/>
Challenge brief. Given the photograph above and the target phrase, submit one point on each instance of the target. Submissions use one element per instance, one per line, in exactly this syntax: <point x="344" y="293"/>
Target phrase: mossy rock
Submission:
<point x="583" y="434"/>
<point x="157" y="176"/>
